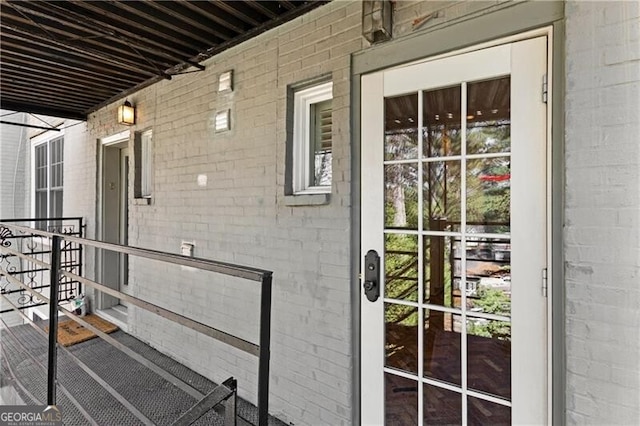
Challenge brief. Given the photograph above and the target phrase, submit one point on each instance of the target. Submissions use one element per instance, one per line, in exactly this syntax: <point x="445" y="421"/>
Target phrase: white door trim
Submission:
<point x="116" y="138"/>
<point x="116" y="141"/>
<point x="370" y="336"/>
<point x="538" y="32"/>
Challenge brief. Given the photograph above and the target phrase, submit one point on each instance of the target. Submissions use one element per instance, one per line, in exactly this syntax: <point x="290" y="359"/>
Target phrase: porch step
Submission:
<point x="117" y="315"/>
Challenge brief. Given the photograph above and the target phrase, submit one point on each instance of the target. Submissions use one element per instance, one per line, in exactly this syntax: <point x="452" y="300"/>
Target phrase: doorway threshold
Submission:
<point x="117" y="315"/>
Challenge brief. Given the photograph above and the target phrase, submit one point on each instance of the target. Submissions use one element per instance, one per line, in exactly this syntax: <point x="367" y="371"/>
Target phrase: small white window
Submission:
<point x="312" y="139"/>
<point x="48" y="161"/>
<point x="143" y="151"/>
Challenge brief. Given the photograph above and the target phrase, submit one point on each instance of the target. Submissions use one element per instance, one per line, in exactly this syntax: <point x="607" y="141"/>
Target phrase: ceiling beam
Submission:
<point x="29" y="62"/>
<point x="211" y="13"/>
<point x="110" y="29"/>
<point x="247" y="15"/>
<point x="11" y="74"/>
<point x="84" y="53"/>
<point x="51" y="85"/>
<point x="21" y="93"/>
<point x="132" y="42"/>
<point x="287" y="4"/>
<point x="264" y="8"/>
<point x="85" y="40"/>
<point x="71" y="58"/>
<point x="182" y="12"/>
<point x="41" y="110"/>
<point x="124" y="23"/>
<point x="195" y="40"/>
<point x="57" y="56"/>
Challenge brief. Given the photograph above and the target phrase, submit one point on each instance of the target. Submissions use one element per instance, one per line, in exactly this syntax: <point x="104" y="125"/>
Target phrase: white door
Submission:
<point x="454" y="202"/>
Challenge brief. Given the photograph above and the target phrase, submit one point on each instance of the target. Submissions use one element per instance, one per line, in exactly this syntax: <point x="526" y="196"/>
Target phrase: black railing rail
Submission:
<point x="25" y="255"/>
<point x="225" y="392"/>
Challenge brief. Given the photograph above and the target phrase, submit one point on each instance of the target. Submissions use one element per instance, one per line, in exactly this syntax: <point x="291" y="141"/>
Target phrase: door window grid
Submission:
<point x="421" y="161"/>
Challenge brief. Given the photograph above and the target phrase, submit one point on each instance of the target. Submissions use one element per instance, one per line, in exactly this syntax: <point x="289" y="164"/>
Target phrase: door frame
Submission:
<point x="510" y="24"/>
<point x="117" y="141"/>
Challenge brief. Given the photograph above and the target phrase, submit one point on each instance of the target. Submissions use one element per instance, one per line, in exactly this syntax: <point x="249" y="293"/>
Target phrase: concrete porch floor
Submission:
<point x="155" y="397"/>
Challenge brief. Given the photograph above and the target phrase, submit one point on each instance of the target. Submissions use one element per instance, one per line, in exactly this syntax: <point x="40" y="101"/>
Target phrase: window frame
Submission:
<point x="143" y="162"/>
<point x="46" y="139"/>
<point x="303" y="99"/>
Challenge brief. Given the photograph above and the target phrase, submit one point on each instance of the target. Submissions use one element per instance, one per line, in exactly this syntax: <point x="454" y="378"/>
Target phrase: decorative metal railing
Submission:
<point x="21" y="248"/>
<point x="50" y="259"/>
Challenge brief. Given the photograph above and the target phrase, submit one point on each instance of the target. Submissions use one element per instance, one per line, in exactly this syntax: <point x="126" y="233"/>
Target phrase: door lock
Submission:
<point x="371" y="282"/>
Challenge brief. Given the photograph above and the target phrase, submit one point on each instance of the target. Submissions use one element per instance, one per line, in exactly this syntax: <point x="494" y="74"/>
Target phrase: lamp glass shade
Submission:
<point x="126" y="114"/>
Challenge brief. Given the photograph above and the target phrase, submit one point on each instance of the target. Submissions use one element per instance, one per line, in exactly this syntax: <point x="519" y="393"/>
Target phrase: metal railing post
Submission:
<point x="231" y="404"/>
<point x="53" y="320"/>
<point x="80" y="253"/>
<point x="265" y="352"/>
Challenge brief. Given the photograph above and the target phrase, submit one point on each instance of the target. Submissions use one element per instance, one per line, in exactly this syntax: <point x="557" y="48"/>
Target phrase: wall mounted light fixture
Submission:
<point x="376" y="20"/>
<point x="126" y="114"/>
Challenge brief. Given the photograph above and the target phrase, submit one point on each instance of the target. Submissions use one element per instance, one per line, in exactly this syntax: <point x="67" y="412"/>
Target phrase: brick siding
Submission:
<point x="602" y="223"/>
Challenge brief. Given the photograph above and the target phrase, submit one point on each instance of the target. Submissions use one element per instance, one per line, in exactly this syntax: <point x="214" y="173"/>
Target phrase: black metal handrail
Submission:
<point x="31" y="249"/>
<point x="261" y="350"/>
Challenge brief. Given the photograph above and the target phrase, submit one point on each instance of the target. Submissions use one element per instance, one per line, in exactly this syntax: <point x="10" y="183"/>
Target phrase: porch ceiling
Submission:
<point x="70" y="58"/>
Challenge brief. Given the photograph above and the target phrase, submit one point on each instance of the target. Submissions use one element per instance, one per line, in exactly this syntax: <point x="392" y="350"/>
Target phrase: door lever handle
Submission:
<point x="371" y="282"/>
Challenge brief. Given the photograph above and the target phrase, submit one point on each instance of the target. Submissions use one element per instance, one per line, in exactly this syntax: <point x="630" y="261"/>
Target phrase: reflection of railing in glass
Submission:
<point x="488" y="275"/>
<point x="399" y="282"/>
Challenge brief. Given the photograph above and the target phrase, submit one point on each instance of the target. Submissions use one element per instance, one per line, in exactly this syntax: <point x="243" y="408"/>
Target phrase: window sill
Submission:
<point x="141" y="201"/>
<point x="307" y="200"/>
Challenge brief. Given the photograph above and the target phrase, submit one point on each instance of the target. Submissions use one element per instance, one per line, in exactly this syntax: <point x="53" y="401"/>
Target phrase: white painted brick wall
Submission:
<point x="602" y="223"/>
<point x="13" y="146"/>
<point x="240" y="216"/>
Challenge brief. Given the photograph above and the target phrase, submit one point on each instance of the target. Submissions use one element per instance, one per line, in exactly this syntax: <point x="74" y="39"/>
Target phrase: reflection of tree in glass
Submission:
<point x="489" y="200"/>
<point x="401" y="314"/>
<point x="442" y="139"/>
<point x="492" y="301"/>
<point x="322" y="175"/>
<point x="401" y="196"/>
<point x="401" y="267"/>
<point x="401" y="144"/>
<point x="488" y="180"/>
<point x="441" y="194"/>
<point x="488" y="136"/>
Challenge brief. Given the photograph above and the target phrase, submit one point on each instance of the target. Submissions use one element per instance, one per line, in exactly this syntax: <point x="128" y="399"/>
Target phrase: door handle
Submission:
<point x="371" y="282"/>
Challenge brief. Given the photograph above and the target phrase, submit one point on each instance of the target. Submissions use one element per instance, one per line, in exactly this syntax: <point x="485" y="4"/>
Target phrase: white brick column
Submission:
<point x="602" y="212"/>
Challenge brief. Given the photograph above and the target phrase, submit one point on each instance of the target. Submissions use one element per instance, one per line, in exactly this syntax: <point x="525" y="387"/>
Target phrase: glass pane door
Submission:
<point x="447" y="240"/>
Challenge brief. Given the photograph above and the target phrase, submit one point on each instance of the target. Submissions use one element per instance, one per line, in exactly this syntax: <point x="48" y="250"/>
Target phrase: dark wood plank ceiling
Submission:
<point x="69" y="58"/>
